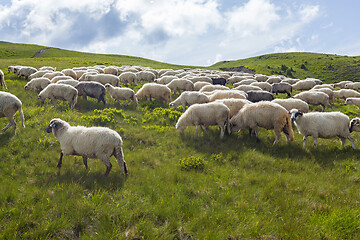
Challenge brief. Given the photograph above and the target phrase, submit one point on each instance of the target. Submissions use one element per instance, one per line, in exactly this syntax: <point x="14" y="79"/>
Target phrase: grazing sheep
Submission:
<point x="291" y="103"/>
<point x="346" y="93"/>
<point x="200" y="79"/>
<point x="26" y="71"/>
<point x="234" y="104"/>
<point x="37" y="84"/>
<point x="218" y="81"/>
<point x="263" y="85"/>
<point x="118" y="93"/>
<point x="128" y="78"/>
<point x="178" y="85"/>
<point x="235" y="79"/>
<point x="290" y="81"/>
<point x="58" y="78"/>
<point x="274" y="79"/>
<point x="267" y="115"/>
<point x="355" y="125"/>
<point x="111" y="70"/>
<point x="261" y="77"/>
<point x="353" y="85"/>
<point x="314" y="98"/>
<point x="223" y="94"/>
<point x="9" y="105"/>
<point x="165" y="79"/>
<point x="326" y="90"/>
<point x="329" y="86"/>
<point x="322" y="125"/>
<point x="93" y="142"/>
<point x="188" y="98"/>
<point x="145" y="76"/>
<point x="2" y="79"/>
<point x="153" y="90"/>
<point x="38" y="74"/>
<point x="199" y="85"/>
<point x="82" y="78"/>
<point x="103" y="79"/>
<point x="51" y="75"/>
<point x="353" y="101"/>
<point x="247" y="88"/>
<point x="281" y="88"/>
<point x="204" y="115"/>
<point x="303" y="85"/>
<point x="70" y="73"/>
<point x="245" y="82"/>
<point x="93" y="90"/>
<point x="47" y="68"/>
<point x="55" y="91"/>
<point x="210" y="88"/>
<point x="70" y="82"/>
<point x="341" y="84"/>
<point x="257" y="96"/>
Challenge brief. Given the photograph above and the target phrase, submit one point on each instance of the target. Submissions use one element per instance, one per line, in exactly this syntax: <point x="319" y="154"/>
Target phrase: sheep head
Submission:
<point x="354" y="125"/>
<point x="55" y="124"/>
<point x="295" y="114"/>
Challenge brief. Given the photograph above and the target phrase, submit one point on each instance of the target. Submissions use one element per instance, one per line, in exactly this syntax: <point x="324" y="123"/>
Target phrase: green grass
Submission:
<point x="178" y="187"/>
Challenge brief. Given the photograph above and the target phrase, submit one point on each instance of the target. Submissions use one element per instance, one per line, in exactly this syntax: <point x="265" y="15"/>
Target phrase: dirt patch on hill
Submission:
<point x="239" y="69"/>
<point x="39" y="53"/>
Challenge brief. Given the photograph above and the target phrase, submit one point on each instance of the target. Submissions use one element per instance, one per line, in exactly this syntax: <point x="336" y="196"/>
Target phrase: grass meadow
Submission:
<point x="178" y="187"/>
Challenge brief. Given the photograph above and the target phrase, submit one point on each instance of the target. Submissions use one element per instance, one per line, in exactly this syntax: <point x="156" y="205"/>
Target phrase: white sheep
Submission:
<point x="291" y="103"/>
<point x="188" y="98"/>
<point x="9" y="105"/>
<point x="178" y="85"/>
<point x="341" y="84"/>
<point x="37" y="84"/>
<point x="26" y="71"/>
<point x="59" y="91"/>
<point x="70" y="82"/>
<point x="261" y="77"/>
<point x="51" y="75"/>
<point x="353" y="85"/>
<point x="128" y="78"/>
<point x="346" y="93"/>
<point x="247" y="88"/>
<point x="120" y="93"/>
<point x="204" y="115"/>
<point x="47" y="68"/>
<point x="263" y="85"/>
<point x="103" y="79"/>
<point x="274" y="79"/>
<point x="290" y="81"/>
<point x="58" y="78"/>
<point x="353" y="101"/>
<point x="2" y="79"/>
<point x="329" y="86"/>
<point x="245" y="82"/>
<point x="234" y="104"/>
<point x="165" y="79"/>
<point x="234" y="79"/>
<point x="326" y="90"/>
<point x="225" y="94"/>
<point x="153" y="90"/>
<point x="303" y="85"/>
<point x="199" y="85"/>
<point x="322" y="125"/>
<point x="69" y="72"/>
<point x="111" y="70"/>
<point x="200" y="79"/>
<point x="314" y="98"/>
<point x="263" y="114"/>
<point x="38" y="74"/>
<point x="145" y="76"/>
<point x="93" y="142"/>
<point x="210" y="88"/>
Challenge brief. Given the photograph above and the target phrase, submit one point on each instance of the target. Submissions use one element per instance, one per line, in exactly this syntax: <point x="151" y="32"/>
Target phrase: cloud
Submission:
<point x="192" y="32"/>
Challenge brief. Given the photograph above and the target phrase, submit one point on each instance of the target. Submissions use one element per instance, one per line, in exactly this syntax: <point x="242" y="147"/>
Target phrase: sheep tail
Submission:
<point x="120" y="158"/>
<point x="288" y="129"/>
<point x="22" y="116"/>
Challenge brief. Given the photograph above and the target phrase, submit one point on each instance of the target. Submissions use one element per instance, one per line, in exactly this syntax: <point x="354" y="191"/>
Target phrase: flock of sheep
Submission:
<point x="248" y="104"/>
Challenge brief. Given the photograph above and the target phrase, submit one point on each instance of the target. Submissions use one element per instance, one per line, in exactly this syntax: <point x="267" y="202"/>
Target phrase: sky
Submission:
<point x="186" y="32"/>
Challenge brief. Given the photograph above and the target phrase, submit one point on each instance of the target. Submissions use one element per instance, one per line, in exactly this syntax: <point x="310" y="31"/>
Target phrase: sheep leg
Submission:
<point x="119" y="155"/>
<point x="323" y="107"/>
<point x="203" y="128"/>
<point x="127" y="102"/>
<point x="60" y="160"/>
<point x="7" y="126"/>
<point x="108" y="165"/>
<point x="256" y="135"/>
<point x="277" y="136"/>
<point x="351" y="139"/>
<point x="250" y="131"/>
<point x="85" y="161"/>
<point x="222" y="131"/>
<point x="304" y="141"/>
<point x="315" y="142"/>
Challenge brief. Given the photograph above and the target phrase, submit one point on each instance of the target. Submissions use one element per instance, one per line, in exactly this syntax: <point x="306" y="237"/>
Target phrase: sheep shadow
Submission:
<point x="5" y="137"/>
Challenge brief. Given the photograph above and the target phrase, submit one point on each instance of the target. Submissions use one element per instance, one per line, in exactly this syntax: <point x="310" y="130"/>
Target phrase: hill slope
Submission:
<point x="327" y="67"/>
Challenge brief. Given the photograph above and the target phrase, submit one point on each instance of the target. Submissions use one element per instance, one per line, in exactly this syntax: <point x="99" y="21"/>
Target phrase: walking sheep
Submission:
<point x="59" y="91"/>
<point x="153" y="90"/>
<point x="37" y="84"/>
<point x="188" y="98"/>
<point x="323" y="125"/>
<point x="2" y="79"/>
<point x="267" y="115"/>
<point x="93" y="142"/>
<point x="118" y="94"/>
<point x="9" y="105"/>
<point x="93" y="90"/>
<point x="314" y="98"/>
<point x="205" y="115"/>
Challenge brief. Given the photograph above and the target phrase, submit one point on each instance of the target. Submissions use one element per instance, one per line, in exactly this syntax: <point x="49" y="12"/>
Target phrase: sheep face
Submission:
<point x="54" y="125"/>
<point x="236" y="124"/>
<point x="355" y="125"/>
<point x="295" y="115"/>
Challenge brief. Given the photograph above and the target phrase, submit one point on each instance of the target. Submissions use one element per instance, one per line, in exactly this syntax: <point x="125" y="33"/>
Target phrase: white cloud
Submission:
<point x="309" y="13"/>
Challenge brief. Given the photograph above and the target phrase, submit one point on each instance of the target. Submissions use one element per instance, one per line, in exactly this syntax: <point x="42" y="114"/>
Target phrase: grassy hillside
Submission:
<point x="327" y="67"/>
<point x="178" y="187"/>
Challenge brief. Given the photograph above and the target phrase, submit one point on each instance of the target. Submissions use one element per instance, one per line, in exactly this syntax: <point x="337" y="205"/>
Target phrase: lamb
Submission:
<point x="165" y="79"/>
<point x="70" y="82"/>
<point x="59" y="91"/>
<point x="291" y="103"/>
<point x="37" y="84"/>
<point x="346" y="93"/>
<point x="188" y="98"/>
<point x="267" y="115"/>
<point x="128" y="78"/>
<point x="353" y="101"/>
<point x="257" y="96"/>
<point x="199" y="85"/>
<point x="70" y="73"/>
<point x="2" y="79"/>
<point x="234" y="104"/>
<point x="118" y="94"/>
<point x="93" y="142"/>
<point x="281" y="88"/>
<point x="145" y="76"/>
<point x="303" y="85"/>
<point x="223" y="94"/>
<point x="153" y="90"/>
<point x="322" y="125"/>
<point x="178" y="85"/>
<point x="26" y="71"/>
<point x="93" y="90"/>
<point x="210" y="88"/>
<point x="247" y="88"/>
<point x="9" y="105"/>
<point x="205" y="115"/>
<point x="103" y="79"/>
<point x="263" y="85"/>
<point x="314" y="98"/>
